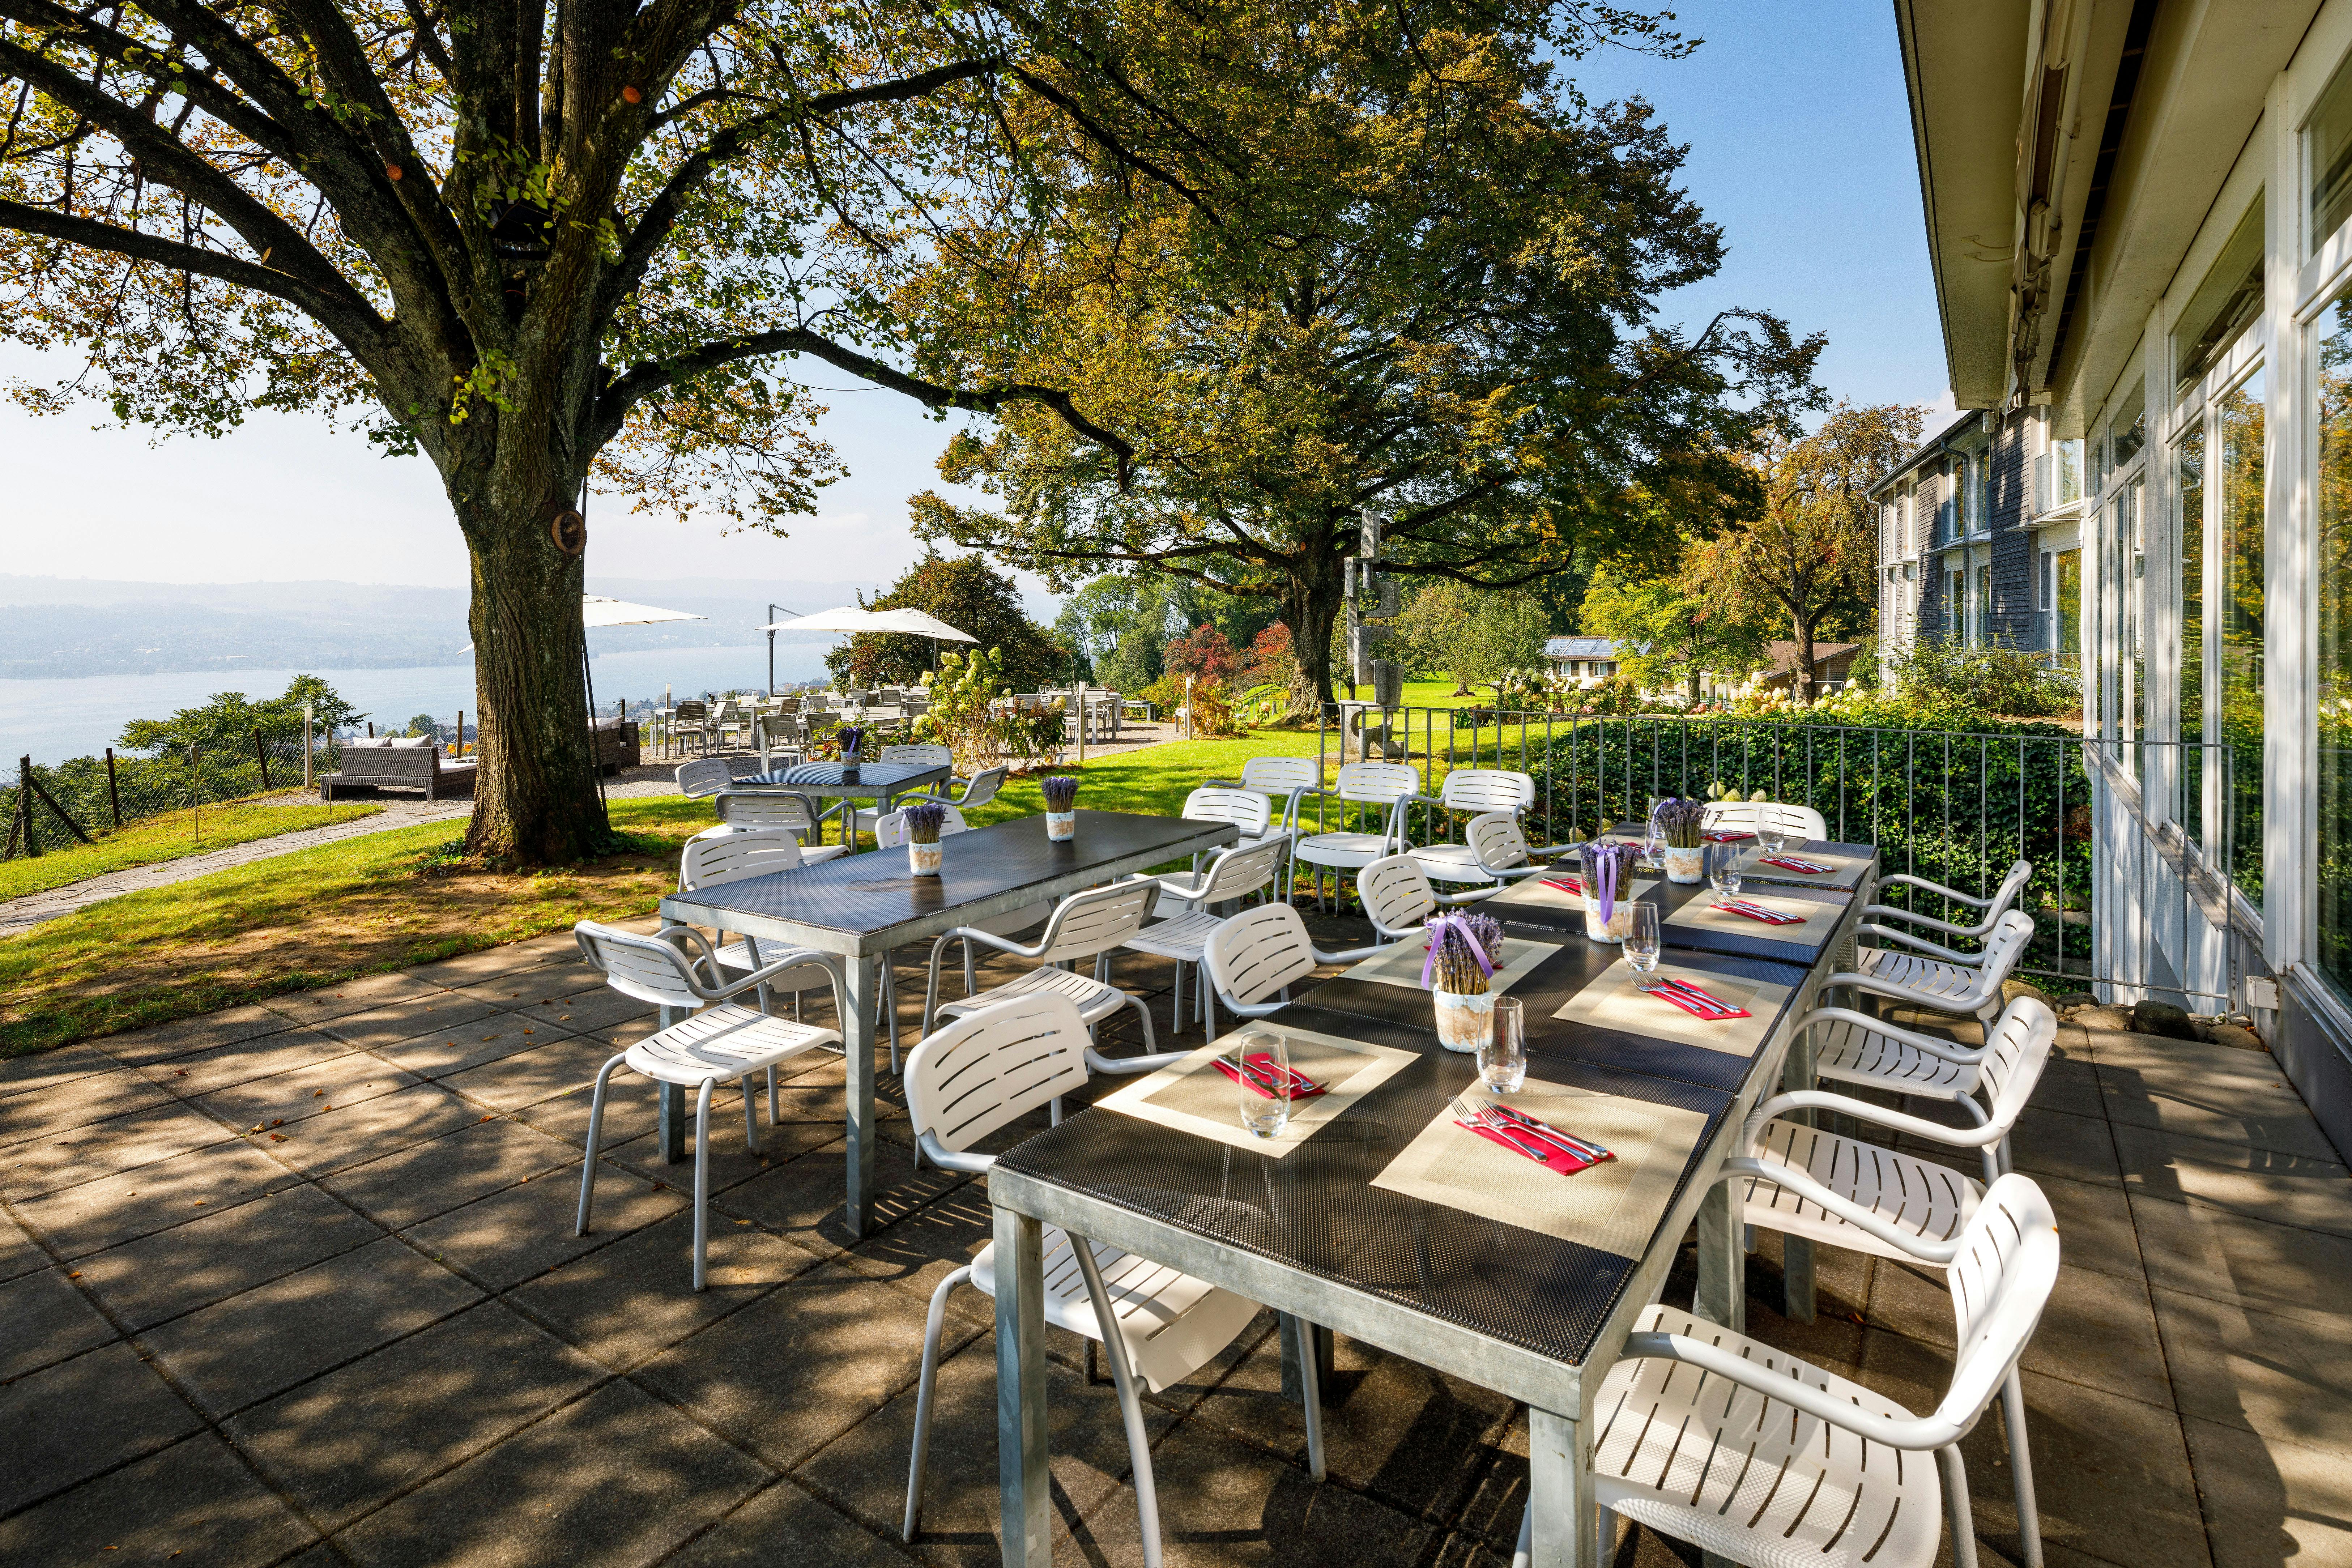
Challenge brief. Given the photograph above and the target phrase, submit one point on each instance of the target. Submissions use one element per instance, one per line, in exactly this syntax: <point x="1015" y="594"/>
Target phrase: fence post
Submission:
<point x="307" y="740"/>
<point x="461" y="731"/>
<point x="114" y="797"/>
<point x="25" y="806"/>
<point x="261" y="755"/>
<point x="196" y="793"/>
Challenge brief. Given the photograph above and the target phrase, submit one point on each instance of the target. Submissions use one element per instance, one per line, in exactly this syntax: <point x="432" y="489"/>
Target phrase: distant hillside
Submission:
<point x="52" y="627"/>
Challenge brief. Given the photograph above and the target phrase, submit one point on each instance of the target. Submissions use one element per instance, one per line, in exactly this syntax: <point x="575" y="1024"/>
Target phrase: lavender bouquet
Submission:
<point x="850" y="736"/>
<point x="1462" y="953"/>
<point x="924" y="820"/>
<point x="1608" y="888"/>
<point x="1681" y="828"/>
<point x="1061" y="807"/>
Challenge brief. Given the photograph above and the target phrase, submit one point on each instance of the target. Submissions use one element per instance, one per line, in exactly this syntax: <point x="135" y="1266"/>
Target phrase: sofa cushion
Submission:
<point x="369" y="740"/>
<point x="416" y="740"/>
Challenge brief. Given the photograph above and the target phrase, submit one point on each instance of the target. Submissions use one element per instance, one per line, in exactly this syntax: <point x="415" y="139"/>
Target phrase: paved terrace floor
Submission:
<point x="295" y="1283"/>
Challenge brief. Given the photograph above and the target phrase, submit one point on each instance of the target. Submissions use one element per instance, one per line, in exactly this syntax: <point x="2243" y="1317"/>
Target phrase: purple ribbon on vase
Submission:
<point x="1612" y="867"/>
<point x="1438" y="931"/>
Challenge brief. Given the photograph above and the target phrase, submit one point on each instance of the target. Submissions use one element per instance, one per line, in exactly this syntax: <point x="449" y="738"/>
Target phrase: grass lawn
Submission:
<point x="387" y="900"/>
<point x="169" y="836"/>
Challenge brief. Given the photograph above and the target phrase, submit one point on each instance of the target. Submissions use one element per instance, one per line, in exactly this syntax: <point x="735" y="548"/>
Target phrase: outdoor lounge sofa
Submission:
<point x="370" y="766"/>
<point x="617" y="744"/>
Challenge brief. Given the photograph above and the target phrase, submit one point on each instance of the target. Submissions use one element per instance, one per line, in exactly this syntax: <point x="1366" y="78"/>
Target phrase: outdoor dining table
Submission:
<point x="878" y="781"/>
<point x="861" y="907"/>
<point x="1375" y="1214"/>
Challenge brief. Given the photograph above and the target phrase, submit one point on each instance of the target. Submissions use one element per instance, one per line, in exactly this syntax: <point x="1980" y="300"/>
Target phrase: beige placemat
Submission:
<point x="1613" y="1206"/>
<point x="1841" y="867"/>
<point x="1610" y="1002"/>
<point x="1532" y="893"/>
<point x="1700" y="914"/>
<point x="1400" y="963"/>
<point x="1192" y="1096"/>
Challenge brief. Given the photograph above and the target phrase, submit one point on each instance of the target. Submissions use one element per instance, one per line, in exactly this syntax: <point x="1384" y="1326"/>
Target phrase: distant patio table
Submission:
<point x="861" y="907"/>
<point x="878" y="781"/>
<point x="1376" y="1216"/>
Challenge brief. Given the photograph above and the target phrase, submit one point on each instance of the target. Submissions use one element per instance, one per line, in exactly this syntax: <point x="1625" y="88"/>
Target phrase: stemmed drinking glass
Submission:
<point x="1642" y="942"/>
<point x="1264" y="1061"/>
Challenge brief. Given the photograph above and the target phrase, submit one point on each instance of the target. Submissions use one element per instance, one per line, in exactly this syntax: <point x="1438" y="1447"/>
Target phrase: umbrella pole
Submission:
<point x="588" y="677"/>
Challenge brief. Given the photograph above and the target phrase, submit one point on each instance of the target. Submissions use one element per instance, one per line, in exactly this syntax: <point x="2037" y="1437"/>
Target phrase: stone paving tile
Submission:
<point x="2261" y="1115"/>
<point x="348" y="1442"/>
<point x="242" y="1351"/>
<point x="192" y="1502"/>
<point x="119" y="1208"/>
<point x="352" y="996"/>
<point x="505" y="1239"/>
<point x="2051" y="1143"/>
<point x="433" y="1177"/>
<point x="803" y="1198"/>
<point x="852" y="1346"/>
<point x="489" y="964"/>
<point x="46" y="1069"/>
<point x="2288" y="1380"/>
<point x="18" y="1253"/>
<point x="285" y="1098"/>
<point x="206" y="1260"/>
<point x="2270" y="1503"/>
<point x="2098" y="1330"/>
<point x="407" y="1018"/>
<point x="440" y="1052"/>
<point x="186" y="1035"/>
<point x="2094" y="1223"/>
<point x="615" y="1479"/>
<point x="631" y="1110"/>
<point x="70" y="1421"/>
<point x="2284" y="1188"/>
<point x="67" y="1159"/>
<point x="555" y="1062"/>
<point x="784" y="1527"/>
<point x="732" y="1161"/>
<point x="354" y="1134"/>
<point x="2282" y="1269"/>
<point x="588" y="1009"/>
<point x="630" y="1300"/>
<point x="864" y="1473"/>
<point x="201" y="1072"/>
<point x="927" y="1246"/>
<point x="48" y="1319"/>
<point x="77" y="1102"/>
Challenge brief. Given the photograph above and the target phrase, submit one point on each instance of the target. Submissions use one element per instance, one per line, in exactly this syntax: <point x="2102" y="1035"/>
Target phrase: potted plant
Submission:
<point x="923" y="821"/>
<point x="1681" y="825"/>
<point x="851" y="737"/>
<point x="1463" y="952"/>
<point x="1061" y="808"/>
<point x="1608" y="873"/>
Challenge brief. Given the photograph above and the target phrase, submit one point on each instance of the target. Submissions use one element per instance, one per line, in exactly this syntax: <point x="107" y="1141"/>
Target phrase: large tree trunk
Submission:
<point x="1311" y="607"/>
<point x="535" y="799"/>
<point x="1801" y="683"/>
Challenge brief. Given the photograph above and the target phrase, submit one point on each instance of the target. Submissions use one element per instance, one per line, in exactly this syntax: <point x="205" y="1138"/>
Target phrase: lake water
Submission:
<point x="54" y="720"/>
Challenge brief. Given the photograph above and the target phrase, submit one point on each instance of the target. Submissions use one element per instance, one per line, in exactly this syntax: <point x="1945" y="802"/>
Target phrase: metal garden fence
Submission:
<point x="51" y="806"/>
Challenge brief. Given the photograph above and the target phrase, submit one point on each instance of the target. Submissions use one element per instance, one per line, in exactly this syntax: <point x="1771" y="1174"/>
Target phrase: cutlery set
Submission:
<point x="1691" y="999"/>
<point x="1517" y="1131"/>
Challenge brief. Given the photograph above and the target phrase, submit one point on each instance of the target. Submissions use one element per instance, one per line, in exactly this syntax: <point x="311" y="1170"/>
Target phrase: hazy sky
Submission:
<point x="1801" y="147"/>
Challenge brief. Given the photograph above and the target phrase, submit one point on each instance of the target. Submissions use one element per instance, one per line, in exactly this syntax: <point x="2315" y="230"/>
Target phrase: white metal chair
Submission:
<point x="1380" y="789"/>
<point x="1800" y="823"/>
<point x="1958" y="985"/>
<point x="1260" y="953"/>
<point x="1802" y="1181"/>
<point x="787" y="810"/>
<point x="928" y="757"/>
<point x="1492" y="854"/>
<point x="1856" y="1048"/>
<point x="1235" y="873"/>
<point x="980" y="1074"/>
<point x="778" y="734"/>
<point x="725" y="1040"/>
<point x="1286" y="778"/>
<point x="1093" y="924"/>
<point x="1397" y="898"/>
<point x="1250" y="813"/>
<point x="1772" y="1462"/>
<point x="2013" y="883"/>
<point x="978" y="791"/>
<point x="711" y="860"/>
<point x="704" y="775"/>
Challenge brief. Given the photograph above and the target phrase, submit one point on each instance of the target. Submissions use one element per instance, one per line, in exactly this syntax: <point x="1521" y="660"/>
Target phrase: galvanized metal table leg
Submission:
<point x="1023" y="1486"/>
<point x="1302" y="1379"/>
<point x="1564" y="1524"/>
<point x="1323" y="1359"/>
<point x="1797" y="1251"/>
<point x="864" y="985"/>
<point x="672" y="1105"/>
<point x="1722" y="1262"/>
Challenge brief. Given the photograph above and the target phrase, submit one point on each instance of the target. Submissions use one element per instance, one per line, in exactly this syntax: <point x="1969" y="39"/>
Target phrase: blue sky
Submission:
<point x="1801" y="147"/>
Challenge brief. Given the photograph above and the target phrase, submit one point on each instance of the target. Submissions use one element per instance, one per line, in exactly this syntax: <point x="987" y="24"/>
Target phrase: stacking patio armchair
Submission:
<point x="1798" y="823"/>
<point x="1282" y="780"/>
<point x="1379" y="793"/>
<point x="1955" y="987"/>
<point x="1396" y="896"/>
<point x="1992" y="907"/>
<point x="1237" y="873"/>
<point x="1254" y="958"/>
<point x="1094" y="925"/>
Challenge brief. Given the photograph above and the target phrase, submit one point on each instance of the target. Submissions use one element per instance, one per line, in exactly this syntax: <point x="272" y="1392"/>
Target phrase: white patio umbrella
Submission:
<point x="596" y="610"/>
<point x="850" y="618"/>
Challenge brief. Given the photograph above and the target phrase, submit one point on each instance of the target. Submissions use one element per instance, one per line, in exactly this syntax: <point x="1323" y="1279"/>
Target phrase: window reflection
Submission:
<point x="2240" y="652"/>
<point x="2189" y="464"/>
<point x="2332" y="557"/>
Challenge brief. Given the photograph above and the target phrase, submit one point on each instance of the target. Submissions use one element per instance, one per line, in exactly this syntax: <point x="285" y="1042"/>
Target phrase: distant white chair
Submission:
<point x="1492" y="854"/>
<point x="726" y="1040"/>
<point x="776" y="808"/>
<point x="1089" y="925"/>
<point x="1254" y="958"/>
<point x="1800" y="824"/>
<point x="978" y="791"/>
<point x="928" y="757"/>
<point x="1379" y="791"/>
<point x="1282" y="780"/>
<point x="1397" y="898"/>
<point x="980" y="1074"/>
<point x="1183" y="939"/>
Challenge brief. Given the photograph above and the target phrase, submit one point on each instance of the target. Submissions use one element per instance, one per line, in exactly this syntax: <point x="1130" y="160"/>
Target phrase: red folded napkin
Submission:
<point x="1555" y="1158"/>
<point x="1672" y="990"/>
<point x="1721" y="835"/>
<point x="1565" y="884"/>
<point x="1301" y="1086"/>
<point x="1791" y="863"/>
<point x="1758" y="913"/>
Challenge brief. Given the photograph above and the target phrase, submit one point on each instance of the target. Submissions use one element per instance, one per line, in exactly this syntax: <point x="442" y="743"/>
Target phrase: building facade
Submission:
<point x="2140" y="214"/>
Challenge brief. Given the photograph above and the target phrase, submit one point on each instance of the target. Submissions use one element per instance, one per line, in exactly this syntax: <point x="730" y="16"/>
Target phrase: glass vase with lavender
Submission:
<point x="1462" y="950"/>
<point x="1609" y="871"/>
<point x="1681" y="825"/>
<point x="851" y="737"/>
<point x="1061" y="807"/>
<point x="923" y="821"/>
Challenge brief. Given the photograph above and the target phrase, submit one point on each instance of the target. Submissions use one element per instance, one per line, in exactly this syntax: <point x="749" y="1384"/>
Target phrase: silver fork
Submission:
<point x="1492" y="1119"/>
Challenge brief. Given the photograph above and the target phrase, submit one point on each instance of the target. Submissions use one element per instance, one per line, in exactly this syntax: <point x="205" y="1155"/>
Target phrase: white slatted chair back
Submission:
<point x="733" y="856"/>
<point x="767" y="808"/>
<point x="1496" y="840"/>
<point x="1376" y="784"/>
<point x="983" y="787"/>
<point x="994" y="1066"/>
<point x="1799" y="822"/>
<point x="2000" y="1280"/>
<point x="1257" y="953"/>
<point x="704" y="775"/>
<point x="2003" y="948"/>
<point x="2012" y="1066"/>
<point x="1095" y="920"/>
<point x="923" y="756"/>
<point x="1281" y="775"/>
<point x="1488" y="789"/>
<point x="741" y="768"/>
<point x="1396" y="894"/>
<point x="2012" y="884"/>
<point x="644" y="967"/>
<point x="1240" y="871"/>
<point x="890" y="830"/>
<point x="1245" y="808"/>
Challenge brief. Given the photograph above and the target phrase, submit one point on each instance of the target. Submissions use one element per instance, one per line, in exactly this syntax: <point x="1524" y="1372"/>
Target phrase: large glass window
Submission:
<point x="2333" y="559"/>
<point x="2330" y="130"/>
<point x="2189" y="463"/>
<point x="2070" y="606"/>
<point x="1984" y="607"/>
<point x="2241" y="543"/>
<point x="2069" y="458"/>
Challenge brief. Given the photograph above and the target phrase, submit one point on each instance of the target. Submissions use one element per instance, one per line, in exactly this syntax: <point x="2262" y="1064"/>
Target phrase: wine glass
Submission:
<point x="1642" y="942"/>
<point x="1723" y="870"/>
<point x="1264" y="1061"/>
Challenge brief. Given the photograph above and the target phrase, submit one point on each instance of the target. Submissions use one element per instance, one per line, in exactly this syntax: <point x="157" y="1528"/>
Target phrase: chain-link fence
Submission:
<point x="50" y="806"/>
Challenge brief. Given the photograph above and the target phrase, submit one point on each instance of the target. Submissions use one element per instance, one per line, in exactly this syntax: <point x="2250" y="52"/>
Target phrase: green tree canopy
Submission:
<point x="1470" y="633"/>
<point x="961" y="590"/>
<point x="1672" y="629"/>
<point x="230" y="719"/>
